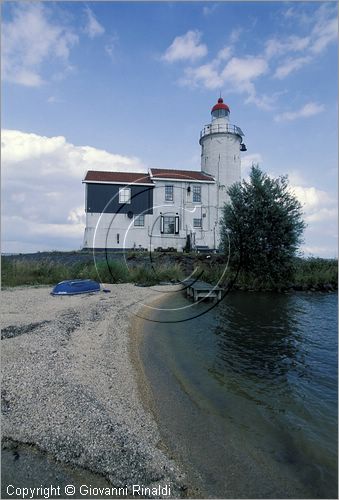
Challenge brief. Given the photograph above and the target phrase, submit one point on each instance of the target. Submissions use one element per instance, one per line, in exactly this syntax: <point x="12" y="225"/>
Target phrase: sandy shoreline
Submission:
<point x="70" y="385"/>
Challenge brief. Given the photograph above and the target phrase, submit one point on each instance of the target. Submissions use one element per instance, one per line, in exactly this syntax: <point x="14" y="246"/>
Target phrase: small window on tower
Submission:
<point x="168" y="193"/>
<point x="196" y="194"/>
<point x="125" y="195"/>
<point x="139" y="221"/>
<point x="197" y="223"/>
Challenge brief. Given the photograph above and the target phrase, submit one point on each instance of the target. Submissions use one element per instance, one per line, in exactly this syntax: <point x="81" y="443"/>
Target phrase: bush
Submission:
<point x="263" y="222"/>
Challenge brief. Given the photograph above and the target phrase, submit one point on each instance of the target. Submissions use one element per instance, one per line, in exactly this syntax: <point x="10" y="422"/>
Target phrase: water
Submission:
<point x="246" y="394"/>
<point x="25" y="466"/>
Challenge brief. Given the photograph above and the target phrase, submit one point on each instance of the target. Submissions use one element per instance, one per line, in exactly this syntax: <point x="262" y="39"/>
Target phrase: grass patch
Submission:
<point x="315" y="271"/>
<point x="307" y="273"/>
<point x="19" y="272"/>
<point x="109" y="272"/>
<point x="27" y="272"/>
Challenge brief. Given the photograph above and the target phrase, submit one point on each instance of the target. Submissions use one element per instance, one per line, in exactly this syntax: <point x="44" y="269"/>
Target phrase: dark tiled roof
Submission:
<point x="123" y="177"/>
<point x="182" y="175"/>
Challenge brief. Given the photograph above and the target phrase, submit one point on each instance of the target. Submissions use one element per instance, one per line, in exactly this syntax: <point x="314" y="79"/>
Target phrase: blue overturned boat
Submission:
<point x="74" y="287"/>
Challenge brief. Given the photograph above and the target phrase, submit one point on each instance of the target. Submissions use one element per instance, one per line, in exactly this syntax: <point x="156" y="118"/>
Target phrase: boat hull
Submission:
<point x="76" y="287"/>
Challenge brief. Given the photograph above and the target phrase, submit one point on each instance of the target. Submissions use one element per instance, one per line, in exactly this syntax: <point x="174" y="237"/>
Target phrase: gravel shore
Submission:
<point x="70" y="388"/>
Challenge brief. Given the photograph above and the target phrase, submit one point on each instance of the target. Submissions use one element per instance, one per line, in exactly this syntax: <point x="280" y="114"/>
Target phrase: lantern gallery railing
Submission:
<point x="221" y="128"/>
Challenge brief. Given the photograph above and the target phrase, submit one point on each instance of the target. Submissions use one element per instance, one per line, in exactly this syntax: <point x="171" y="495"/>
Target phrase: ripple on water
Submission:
<point x="266" y="364"/>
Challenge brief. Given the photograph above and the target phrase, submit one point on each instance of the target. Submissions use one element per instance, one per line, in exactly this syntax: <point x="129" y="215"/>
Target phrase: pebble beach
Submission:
<point x="70" y="385"/>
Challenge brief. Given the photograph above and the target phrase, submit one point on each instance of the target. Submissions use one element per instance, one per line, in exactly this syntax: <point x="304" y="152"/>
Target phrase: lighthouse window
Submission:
<point x="125" y="195"/>
<point x="197" y="223"/>
<point x="169" y="225"/>
<point x="196" y="194"/>
<point x="139" y="221"/>
<point x="168" y="193"/>
<point x="219" y="113"/>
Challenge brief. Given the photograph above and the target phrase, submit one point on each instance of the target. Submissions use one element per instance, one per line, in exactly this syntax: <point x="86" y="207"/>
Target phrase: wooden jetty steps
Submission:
<point x="202" y="290"/>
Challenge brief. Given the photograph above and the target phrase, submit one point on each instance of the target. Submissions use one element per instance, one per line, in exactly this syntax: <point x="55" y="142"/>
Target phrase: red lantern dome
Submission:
<point x="220" y="105"/>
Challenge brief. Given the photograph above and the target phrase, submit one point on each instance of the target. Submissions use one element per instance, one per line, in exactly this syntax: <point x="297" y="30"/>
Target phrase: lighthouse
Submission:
<point x="166" y="208"/>
<point x="221" y="144"/>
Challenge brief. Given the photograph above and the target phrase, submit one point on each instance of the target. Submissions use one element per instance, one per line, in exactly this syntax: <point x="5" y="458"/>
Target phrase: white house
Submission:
<point x="166" y="208"/>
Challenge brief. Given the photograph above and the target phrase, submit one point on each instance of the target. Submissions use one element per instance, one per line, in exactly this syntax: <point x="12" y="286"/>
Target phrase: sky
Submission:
<point x="129" y="85"/>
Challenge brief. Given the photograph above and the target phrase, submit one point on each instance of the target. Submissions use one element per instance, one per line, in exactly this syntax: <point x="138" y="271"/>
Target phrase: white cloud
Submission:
<point x="19" y="146"/>
<point x="42" y="190"/>
<point x="53" y="99"/>
<point x="207" y="75"/>
<point x="224" y="53"/>
<point x="311" y="198"/>
<point x="93" y="28"/>
<point x="30" y="40"/>
<point x="296" y="178"/>
<point x="281" y="57"/>
<point x="324" y="33"/>
<point x="324" y="214"/>
<point x="209" y="9"/>
<point x="238" y="74"/>
<point x="111" y="45"/>
<point x="185" y="47"/>
<point x="244" y="69"/>
<point x="323" y="30"/>
<point x="291" y="65"/>
<point x="55" y="153"/>
<point x="275" y="46"/>
<point x="77" y="216"/>
<point x="320" y="214"/>
<point x="262" y="101"/>
<point x="310" y="109"/>
<point x="235" y="35"/>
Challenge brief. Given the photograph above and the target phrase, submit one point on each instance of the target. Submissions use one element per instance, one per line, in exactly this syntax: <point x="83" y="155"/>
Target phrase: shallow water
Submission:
<point x="246" y="394"/>
<point x="24" y="466"/>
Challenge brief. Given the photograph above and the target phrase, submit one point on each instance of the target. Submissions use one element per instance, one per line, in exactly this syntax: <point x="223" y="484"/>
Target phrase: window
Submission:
<point x="196" y="194"/>
<point x="125" y="195"/>
<point x="168" y="193"/>
<point x="219" y="113"/>
<point x="197" y="223"/>
<point x="169" y="225"/>
<point x="139" y="221"/>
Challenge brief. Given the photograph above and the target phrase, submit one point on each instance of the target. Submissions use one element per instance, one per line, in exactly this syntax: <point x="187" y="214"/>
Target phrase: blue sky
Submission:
<point x="127" y="86"/>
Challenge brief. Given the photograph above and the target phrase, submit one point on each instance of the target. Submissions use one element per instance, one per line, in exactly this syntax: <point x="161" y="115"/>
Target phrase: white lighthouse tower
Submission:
<point x="221" y="144"/>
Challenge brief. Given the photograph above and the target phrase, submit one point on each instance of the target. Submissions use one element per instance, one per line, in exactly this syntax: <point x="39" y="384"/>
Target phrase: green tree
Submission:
<point x="263" y="226"/>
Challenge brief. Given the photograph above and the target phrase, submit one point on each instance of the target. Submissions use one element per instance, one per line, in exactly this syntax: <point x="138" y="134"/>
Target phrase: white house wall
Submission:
<point x="118" y="231"/>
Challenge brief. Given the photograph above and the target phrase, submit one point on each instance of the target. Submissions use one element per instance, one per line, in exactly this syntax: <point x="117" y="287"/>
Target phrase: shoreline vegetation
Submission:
<point x="141" y="268"/>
